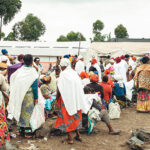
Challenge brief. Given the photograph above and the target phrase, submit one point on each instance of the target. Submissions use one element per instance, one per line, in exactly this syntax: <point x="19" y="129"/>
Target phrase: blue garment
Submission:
<point x="4" y="51"/>
<point x="35" y="89"/>
<point x="119" y="91"/>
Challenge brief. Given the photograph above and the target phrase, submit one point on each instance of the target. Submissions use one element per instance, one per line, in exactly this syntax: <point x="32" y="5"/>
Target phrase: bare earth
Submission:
<point x="129" y="121"/>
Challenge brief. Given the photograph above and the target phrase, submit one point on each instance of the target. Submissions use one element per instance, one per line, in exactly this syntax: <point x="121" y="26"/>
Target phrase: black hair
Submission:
<point x="101" y="61"/>
<point x="108" y="56"/>
<point x="28" y="59"/>
<point x="36" y="58"/>
<point x="105" y="79"/>
<point x="145" y="59"/>
<point x="127" y="56"/>
<point x="87" y="89"/>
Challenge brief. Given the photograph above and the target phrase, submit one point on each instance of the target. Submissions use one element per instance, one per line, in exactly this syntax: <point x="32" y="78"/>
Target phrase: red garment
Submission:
<point x="94" y="78"/>
<point x="110" y="82"/>
<point x="65" y="122"/>
<point x="107" y="90"/>
<point x="94" y="61"/>
<point x="84" y="75"/>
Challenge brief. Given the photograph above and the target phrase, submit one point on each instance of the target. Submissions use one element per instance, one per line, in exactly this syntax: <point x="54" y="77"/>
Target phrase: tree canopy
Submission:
<point x="121" y="31"/>
<point x="72" y="36"/>
<point x="98" y="26"/>
<point x="30" y="29"/>
<point x="8" y="9"/>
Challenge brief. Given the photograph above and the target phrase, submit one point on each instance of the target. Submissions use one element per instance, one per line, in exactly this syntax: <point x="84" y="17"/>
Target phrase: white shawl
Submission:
<point x="20" y="82"/>
<point x="71" y="90"/>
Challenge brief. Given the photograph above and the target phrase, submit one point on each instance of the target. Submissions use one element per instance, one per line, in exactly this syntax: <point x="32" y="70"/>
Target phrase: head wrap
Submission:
<point x="84" y="75"/>
<point x="4" y="58"/>
<point x="118" y="60"/>
<point x="67" y="56"/>
<point x="122" y="57"/>
<point x="80" y="57"/>
<point x="21" y="56"/>
<point x="94" y="61"/>
<point x="119" y="78"/>
<point x="4" y="51"/>
<point x="94" y="78"/>
<point x="90" y="73"/>
<point x="64" y="62"/>
<point x="133" y="58"/>
<point x="107" y="71"/>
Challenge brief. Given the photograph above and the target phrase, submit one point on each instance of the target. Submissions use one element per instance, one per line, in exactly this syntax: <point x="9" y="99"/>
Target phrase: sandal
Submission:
<point x="67" y="141"/>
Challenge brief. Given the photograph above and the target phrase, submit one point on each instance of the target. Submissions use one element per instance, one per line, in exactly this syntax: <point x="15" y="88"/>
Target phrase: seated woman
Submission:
<point x="120" y="90"/>
<point x="47" y="94"/>
<point x="107" y="92"/>
<point x="103" y="112"/>
<point x="23" y="95"/>
<point x="94" y="78"/>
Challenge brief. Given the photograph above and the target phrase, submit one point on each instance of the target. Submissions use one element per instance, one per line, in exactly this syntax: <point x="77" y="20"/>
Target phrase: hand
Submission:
<point x="35" y="101"/>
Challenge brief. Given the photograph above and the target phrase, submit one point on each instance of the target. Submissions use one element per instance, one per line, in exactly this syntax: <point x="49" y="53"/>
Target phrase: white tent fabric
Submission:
<point x="120" y="48"/>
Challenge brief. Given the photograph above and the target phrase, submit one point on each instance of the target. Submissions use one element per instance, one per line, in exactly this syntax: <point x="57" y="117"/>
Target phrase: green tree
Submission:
<point x="10" y="37"/>
<point x="8" y="9"/>
<point x="72" y="36"/>
<point x="30" y="29"/>
<point x="98" y="26"/>
<point x="62" y="38"/>
<point x="2" y="35"/>
<point x="121" y="31"/>
<point x="75" y="36"/>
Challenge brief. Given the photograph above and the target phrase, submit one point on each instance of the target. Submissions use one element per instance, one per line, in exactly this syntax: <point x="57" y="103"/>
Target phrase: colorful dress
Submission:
<point x="27" y="108"/>
<point x="65" y="122"/>
<point x="4" y="134"/>
<point x="142" y="82"/>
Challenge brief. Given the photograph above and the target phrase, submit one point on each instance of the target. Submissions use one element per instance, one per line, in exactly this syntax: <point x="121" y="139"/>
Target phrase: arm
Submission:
<point x="35" y="90"/>
<point x="102" y="92"/>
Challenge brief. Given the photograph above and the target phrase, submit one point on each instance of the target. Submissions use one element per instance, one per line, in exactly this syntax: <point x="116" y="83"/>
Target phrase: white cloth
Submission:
<point x="80" y="67"/>
<point x="99" y="71"/>
<point x="80" y="57"/>
<point x="129" y="88"/>
<point x="20" y="82"/>
<point x="117" y="68"/>
<point x="85" y="81"/>
<point x="40" y="69"/>
<point x="64" y="62"/>
<point x="124" y="69"/>
<point x="119" y="79"/>
<point x="71" y="90"/>
<point x="4" y="58"/>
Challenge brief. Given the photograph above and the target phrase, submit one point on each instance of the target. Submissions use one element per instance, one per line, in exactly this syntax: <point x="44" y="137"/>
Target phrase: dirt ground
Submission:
<point x="129" y="121"/>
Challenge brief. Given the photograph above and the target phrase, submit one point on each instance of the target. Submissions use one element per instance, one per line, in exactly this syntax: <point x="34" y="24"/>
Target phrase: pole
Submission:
<point x="79" y="44"/>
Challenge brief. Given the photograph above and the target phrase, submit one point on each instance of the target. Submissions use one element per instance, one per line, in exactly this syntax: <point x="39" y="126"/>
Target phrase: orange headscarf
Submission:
<point x="107" y="71"/>
<point x="133" y="58"/>
<point x="94" y="61"/>
<point x="84" y="75"/>
<point x="94" y="78"/>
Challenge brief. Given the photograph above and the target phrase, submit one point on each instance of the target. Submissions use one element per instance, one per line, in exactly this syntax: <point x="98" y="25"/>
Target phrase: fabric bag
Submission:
<point x="37" y="117"/>
<point x="48" y="104"/>
<point x="114" y="110"/>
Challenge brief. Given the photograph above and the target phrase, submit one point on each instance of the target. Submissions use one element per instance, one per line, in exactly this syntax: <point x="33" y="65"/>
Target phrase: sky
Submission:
<point x="63" y="16"/>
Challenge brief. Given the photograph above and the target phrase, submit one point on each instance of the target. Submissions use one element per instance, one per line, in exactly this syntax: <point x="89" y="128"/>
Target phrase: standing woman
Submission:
<point x="71" y="101"/>
<point x="24" y="95"/>
<point x="4" y="134"/>
<point x="142" y="82"/>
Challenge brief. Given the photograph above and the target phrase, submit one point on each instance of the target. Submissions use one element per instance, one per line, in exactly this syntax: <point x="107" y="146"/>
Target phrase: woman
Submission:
<point x="24" y="95"/>
<point x="142" y="82"/>
<point x="47" y="94"/>
<point x="71" y="101"/>
<point x="4" y="134"/>
<point x="85" y="78"/>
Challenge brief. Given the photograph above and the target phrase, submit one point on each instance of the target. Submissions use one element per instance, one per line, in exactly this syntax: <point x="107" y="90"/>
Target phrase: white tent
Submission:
<point x="115" y="49"/>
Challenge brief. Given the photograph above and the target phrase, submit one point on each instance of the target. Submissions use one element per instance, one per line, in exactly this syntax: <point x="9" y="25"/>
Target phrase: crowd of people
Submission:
<point x="75" y="93"/>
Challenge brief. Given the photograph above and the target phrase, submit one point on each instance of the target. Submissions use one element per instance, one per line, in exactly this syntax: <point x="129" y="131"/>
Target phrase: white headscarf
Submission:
<point x="4" y="58"/>
<point x="119" y="78"/>
<point x="80" y="57"/>
<point x="64" y="62"/>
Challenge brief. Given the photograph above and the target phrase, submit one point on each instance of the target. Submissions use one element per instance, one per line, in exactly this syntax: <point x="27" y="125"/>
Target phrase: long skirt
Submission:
<point x="67" y="123"/>
<point x="4" y="134"/>
<point x="26" y="112"/>
<point x="143" y="102"/>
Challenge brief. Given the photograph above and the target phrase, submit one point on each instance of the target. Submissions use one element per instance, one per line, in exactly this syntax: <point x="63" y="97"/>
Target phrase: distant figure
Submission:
<point x="80" y="66"/>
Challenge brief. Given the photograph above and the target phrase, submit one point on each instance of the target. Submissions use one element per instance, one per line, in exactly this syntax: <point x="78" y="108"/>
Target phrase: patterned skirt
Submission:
<point x="26" y="111"/>
<point x="143" y="102"/>
<point x="65" y="122"/>
<point x="4" y="134"/>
